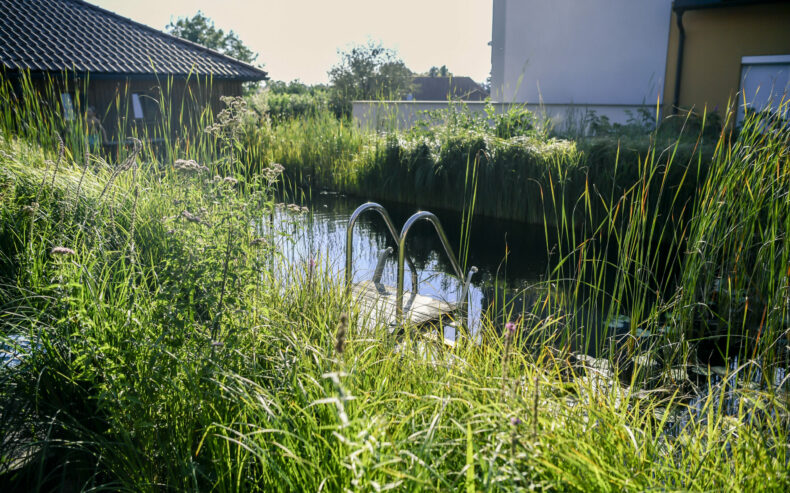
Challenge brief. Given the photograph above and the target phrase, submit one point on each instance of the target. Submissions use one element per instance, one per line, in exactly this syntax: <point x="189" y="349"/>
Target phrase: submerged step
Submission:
<point x="379" y="301"/>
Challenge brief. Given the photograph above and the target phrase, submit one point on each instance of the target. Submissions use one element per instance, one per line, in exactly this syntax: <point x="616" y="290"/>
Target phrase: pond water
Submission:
<point x="512" y="260"/>
<point x="511" y="257"/>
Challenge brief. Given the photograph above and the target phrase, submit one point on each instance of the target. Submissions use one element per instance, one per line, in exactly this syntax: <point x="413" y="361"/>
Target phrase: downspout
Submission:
<point x="679" y="69"/>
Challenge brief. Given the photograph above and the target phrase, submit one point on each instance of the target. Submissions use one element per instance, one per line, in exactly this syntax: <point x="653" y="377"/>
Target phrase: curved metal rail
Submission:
<point x="391" y="227"/>
<point x="430" y="217"/>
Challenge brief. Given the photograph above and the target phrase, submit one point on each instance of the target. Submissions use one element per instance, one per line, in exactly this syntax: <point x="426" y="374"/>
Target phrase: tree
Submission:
<point x="294" y="87"/>
<point x="369" y="71"/>
<point x="442" y="71"/>
<point x="201" y="30"/>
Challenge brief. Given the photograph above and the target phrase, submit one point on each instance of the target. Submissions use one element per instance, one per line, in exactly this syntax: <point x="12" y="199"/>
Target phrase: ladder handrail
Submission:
<point x="430" y="217"/>
<point x="390" y="226"/>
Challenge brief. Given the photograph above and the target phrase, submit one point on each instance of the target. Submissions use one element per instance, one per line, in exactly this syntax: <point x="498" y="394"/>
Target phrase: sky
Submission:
<point x="300" y="39"/>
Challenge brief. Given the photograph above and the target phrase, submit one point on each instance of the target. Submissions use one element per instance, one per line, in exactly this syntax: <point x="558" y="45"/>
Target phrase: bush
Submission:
<point x="281" y="107"/>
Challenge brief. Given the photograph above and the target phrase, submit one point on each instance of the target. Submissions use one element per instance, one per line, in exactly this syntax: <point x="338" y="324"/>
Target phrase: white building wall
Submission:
<point x="385" y="115"/>
<point x="580" y="52"/>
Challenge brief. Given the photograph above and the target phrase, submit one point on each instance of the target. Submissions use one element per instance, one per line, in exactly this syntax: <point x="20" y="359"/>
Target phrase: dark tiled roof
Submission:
<point x="440" y="88"/>
<point x="58" y="35"/>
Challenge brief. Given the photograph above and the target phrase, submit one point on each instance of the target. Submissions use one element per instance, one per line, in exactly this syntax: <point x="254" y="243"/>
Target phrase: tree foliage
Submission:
<point x="442" y="71"/>
<point x="201" y="30"/>
<point x="296" y="86"/>
<point x="369" y="71"/>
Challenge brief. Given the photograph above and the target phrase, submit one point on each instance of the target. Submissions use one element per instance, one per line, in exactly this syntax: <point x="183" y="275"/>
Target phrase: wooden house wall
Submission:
<point x="111" y="99"/>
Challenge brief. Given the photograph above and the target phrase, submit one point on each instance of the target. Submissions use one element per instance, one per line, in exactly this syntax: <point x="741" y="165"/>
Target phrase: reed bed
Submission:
<point x="518" y="164"/>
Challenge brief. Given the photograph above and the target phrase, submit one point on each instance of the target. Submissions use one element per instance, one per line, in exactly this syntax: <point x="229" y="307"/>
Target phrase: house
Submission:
<point x="617" y="57"/>
<point x="103" y="64"/>
<point x="721" y="51"/>
<point x="427" y="88"/>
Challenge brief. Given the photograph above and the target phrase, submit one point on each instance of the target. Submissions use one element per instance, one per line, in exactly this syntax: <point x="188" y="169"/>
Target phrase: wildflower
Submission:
<point x="342" y="328"/>
<point x="272" y="172"/>
<point x="192" y="217"/>
<point x="310" y="270"/>
<point x="297" y="208"/>
<point x="510" y="327"/>
<point x="232" y="181"/>
<point x="189" y="166"/>
<point x="515" y="421"/>
<point x="62" y="251"/>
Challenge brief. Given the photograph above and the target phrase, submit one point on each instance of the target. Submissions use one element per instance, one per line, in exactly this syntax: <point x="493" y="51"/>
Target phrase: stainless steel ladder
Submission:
<point x="400" y="240"/>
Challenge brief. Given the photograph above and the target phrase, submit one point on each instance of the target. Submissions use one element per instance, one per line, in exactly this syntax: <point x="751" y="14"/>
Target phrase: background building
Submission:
<point x="87" y="57"/>
<point x="570" y="56"/>
<point x="728" y="50"/>
<point x="615" y="57"/>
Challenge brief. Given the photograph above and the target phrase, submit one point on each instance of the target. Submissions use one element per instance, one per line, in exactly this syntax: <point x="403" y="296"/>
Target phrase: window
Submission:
<point x="137" y="107"/>
<point x="765" y="81"/>
<point x="145" y="107"/>
<point x="68" y="106"/>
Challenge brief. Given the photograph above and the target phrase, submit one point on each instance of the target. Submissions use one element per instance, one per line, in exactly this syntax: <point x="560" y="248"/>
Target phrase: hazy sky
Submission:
<point x="300" y="38"/>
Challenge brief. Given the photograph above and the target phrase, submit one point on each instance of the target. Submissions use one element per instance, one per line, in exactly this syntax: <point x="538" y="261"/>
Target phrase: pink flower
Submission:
<point x="510" y="327"/>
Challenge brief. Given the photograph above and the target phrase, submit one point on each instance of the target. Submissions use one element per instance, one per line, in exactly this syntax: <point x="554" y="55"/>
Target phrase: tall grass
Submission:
<point x="160" y="351"/>
<point x="698" y="280"/>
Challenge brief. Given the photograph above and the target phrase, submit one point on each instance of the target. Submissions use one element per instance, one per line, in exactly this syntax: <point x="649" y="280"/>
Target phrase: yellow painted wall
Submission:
<point x="716" y="39"/>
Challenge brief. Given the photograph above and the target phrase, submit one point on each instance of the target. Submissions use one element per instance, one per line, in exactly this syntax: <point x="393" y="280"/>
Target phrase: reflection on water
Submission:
<point x="501" y="250"/>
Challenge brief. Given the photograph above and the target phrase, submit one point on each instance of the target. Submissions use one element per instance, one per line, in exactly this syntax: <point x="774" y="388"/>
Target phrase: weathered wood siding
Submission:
<point x="185" y="101"/>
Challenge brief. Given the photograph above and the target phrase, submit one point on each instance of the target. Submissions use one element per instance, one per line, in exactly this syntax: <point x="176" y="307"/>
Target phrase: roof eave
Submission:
<point x="136" y="75"/>
<point x="683" y="5"/>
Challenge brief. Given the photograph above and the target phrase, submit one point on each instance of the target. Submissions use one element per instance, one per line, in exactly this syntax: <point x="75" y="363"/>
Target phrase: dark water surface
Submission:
<point x="509" y="255"/>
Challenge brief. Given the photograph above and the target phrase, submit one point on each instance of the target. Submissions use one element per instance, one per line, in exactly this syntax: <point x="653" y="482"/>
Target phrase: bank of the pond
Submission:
<point x="530" y="177"/>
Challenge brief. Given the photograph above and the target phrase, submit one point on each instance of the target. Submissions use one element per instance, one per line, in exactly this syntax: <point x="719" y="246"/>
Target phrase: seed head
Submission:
<point x="342" y="329"/>
<point x="30" y="209"/>
<point x="62" y="251"/>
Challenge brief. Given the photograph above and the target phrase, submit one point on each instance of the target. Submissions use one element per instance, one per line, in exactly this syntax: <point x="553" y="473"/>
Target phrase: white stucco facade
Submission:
<point x="580" y="53"/>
